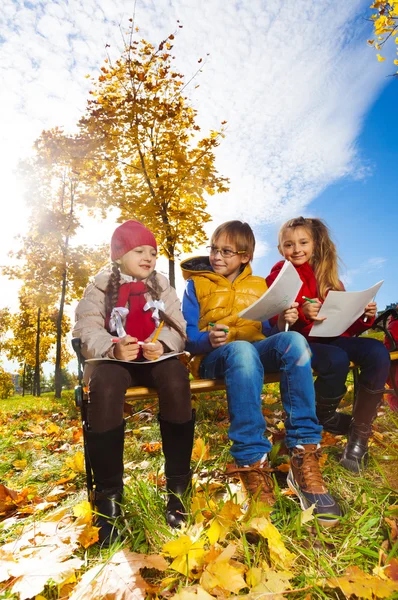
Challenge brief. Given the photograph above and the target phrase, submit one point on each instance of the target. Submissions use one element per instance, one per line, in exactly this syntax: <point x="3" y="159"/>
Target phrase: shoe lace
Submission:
<point x="264" y="471"/>
<point x="309" y="458"/>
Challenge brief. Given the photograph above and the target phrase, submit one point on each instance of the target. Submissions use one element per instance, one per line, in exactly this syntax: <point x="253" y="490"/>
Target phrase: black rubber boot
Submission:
<point x="332" y="421"/>
<point x="105" y="453"/>
<point x="177" y="441"/>
<point x="355" y="456"/>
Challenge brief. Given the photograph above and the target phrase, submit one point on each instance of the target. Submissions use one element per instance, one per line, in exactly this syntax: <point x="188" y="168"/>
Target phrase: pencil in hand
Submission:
<point x="157" y="332"/>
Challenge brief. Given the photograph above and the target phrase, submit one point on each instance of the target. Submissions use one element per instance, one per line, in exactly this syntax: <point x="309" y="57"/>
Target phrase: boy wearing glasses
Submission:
<point x="241" y="351"/>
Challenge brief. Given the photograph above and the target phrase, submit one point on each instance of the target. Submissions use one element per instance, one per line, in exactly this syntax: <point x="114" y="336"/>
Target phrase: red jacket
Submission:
<point x="310" y="289"/>
<point x="392" y="326"/>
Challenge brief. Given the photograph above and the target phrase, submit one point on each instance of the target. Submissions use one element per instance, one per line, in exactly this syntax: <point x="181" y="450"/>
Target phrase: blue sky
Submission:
<point x="311" y="113"/>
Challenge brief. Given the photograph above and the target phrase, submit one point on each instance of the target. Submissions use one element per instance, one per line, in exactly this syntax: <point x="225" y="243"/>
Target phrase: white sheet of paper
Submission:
<point x="164" y="356"/>
<point x="277" y="298"/>
<point x="342" y="309"/>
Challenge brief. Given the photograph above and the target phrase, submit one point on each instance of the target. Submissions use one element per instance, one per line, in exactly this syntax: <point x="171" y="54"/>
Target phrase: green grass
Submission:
<point x="367" y="499"/>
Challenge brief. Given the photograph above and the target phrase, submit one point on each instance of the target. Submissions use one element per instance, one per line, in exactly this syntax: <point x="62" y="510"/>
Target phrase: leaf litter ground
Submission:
<point x="227" y="550"/>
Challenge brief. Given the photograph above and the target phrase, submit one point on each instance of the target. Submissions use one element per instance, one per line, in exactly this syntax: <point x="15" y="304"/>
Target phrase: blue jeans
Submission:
<point x="331" y="359"/>
<point x="242" y="365"/>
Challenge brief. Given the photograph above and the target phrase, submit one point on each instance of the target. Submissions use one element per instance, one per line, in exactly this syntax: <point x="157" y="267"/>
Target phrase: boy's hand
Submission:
<point x="290" y="316"/>
<point x="152" y="350"/>
<point x="311" y="310"/>
<point x="218" y="335"/>
<point x="370" y="310"/>
<point x="126" y="348"/>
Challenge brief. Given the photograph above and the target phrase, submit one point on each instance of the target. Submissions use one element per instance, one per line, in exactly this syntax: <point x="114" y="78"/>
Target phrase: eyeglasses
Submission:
<point x="225" y="252"/>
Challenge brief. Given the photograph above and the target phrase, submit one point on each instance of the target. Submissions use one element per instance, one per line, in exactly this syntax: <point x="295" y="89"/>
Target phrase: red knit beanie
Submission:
<point x="129" y="235"/>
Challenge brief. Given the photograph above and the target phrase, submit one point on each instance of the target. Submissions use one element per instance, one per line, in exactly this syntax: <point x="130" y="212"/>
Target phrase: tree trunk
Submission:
<point x="23" y="379"/>
<point x="58" y="371"/>
<point x="36" y="380"/>
<point x="172" y="277"/>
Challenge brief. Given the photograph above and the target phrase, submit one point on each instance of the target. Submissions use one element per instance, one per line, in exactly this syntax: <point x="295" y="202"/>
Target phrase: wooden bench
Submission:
<point x="200" y="386"/>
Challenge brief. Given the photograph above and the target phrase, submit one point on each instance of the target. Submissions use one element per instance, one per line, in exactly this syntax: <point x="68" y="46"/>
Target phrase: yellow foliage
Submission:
<point x="187" y="553"/>
<point x="385" y="24"/>
<point x="279" y="554"/>
<point x="76" y="462"/>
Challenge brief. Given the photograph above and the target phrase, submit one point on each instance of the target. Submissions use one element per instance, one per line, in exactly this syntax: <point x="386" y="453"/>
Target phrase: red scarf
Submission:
<point x="139" y="323"/>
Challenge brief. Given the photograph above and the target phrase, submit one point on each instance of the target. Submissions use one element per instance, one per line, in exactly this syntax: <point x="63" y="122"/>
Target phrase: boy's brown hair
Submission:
<point x="238" y="233"/>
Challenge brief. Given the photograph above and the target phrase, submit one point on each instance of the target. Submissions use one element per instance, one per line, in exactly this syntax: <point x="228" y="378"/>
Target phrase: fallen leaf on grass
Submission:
<point x="393" y="523"/>
<point x="222" y="523"/>
<point x="151" y="447"/>
<point x="195" y="592"/>
<point x="357" y="582"/>
<point x="41" y="554"/>
<point x="200" y="450"/>
<point x="11" y="500"/>
<point x="119" y="578"/>
<point x="307" y="514"/>
<point x="83" y="511"/>
<point x="76" y="463"/>
<point x="20" y="465"/>
<point x="187" y="553"/>
<point x="223" y="575"/>
<point x="267" y="580"/>
<point x="392" y="569"/>
<point x="279" y="554"/>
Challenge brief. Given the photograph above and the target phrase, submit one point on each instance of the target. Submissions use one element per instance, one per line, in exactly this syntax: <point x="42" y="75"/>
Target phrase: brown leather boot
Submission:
<point x="355" y="456"/>
<point x="306" y="481"/>
<point x="256" y="480"/>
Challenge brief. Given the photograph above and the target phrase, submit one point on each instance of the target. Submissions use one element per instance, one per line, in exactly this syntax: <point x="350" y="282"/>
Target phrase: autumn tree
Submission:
<point x="53" y="269"/>
<point x="6" y="384"/>
<point x="385" y="26"/>
<point x="33" y="335"/>
<point x="144" y="153"/>
<point x="5" y="321"/>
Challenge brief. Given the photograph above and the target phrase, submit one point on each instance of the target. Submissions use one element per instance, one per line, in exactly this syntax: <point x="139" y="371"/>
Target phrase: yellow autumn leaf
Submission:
<point x="195" y="592"/>
<point x="357" y="582"/>
<point x="222" y="575"/>
<point x="380" y="58"/>
<point x="76" y="462"/>
<point x="279" y="554"/>
<point x="200" y="450"/>
<point x="187" y="554"/>
<point x="52" y="428"/>
<point x="89" y="536"/>
<point x="83" y="511"/>
<point x="267" y="580"/>
<point x="307" y="514"/>
<point x="20" y="465"/>
<point x="214" y="532"/>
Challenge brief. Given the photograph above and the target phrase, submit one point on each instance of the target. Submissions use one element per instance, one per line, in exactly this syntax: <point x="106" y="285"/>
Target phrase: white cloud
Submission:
<point x="293" y="78"/>
<point x="369" y="266"/>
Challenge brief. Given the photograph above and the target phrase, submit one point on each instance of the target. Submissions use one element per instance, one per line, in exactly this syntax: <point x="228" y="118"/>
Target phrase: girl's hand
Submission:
<point x="218" y="335"/>
<point x="126" y="348"/>
<point x="152" y="350"/>
<point x="370" y="310"/>
<point x="290" y="316"/>
<point x="311" y="309"/>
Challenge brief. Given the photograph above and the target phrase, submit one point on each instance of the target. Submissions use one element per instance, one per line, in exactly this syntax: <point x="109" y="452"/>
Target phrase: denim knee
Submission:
<point x="295" y="346"/>
<point x="242" y="354"/>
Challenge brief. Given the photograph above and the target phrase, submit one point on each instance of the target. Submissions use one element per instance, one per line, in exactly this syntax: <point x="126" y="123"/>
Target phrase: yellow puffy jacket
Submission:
<point x="220" y="300"/>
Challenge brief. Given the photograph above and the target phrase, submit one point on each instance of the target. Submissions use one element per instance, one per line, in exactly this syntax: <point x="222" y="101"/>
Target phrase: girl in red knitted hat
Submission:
<point x="130" y="301"/>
